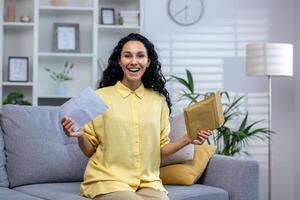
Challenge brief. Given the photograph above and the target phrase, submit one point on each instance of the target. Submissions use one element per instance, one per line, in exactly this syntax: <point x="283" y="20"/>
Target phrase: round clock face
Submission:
<point x="185" y="12"/>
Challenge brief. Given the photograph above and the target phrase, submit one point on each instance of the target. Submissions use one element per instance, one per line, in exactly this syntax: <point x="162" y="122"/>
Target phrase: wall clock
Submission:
<point x="185" y="12"/>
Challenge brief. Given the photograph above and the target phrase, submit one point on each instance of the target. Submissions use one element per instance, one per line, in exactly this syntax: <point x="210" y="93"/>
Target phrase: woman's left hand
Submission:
<point x="202" y="136"/>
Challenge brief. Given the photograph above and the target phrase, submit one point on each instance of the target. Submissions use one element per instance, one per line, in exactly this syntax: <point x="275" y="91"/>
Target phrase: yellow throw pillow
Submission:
<point x="188" y="172"/>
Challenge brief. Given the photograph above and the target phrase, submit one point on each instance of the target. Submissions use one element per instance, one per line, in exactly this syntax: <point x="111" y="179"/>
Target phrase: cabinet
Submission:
<point x="36" y="40"/>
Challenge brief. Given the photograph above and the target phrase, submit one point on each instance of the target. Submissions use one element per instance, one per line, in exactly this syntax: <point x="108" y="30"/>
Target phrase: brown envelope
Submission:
<point x="204" y="115"/>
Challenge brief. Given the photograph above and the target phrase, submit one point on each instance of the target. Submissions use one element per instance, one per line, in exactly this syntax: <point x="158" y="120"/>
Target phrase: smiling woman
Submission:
<point x="133" y="134"/>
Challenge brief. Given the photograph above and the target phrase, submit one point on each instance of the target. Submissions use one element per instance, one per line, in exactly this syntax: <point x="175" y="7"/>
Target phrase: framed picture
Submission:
<point x="66" y="37"/>
<point x="107" y="16"/>
<point x="18" y="68"/>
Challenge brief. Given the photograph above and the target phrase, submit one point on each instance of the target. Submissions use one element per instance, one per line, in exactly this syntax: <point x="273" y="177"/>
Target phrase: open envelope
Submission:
<point x="83" y="107"/>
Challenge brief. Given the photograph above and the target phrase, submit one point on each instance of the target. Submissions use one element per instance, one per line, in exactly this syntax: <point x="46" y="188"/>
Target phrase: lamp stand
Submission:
<point x="269" y="141"/>
<point x="268" y="60"/>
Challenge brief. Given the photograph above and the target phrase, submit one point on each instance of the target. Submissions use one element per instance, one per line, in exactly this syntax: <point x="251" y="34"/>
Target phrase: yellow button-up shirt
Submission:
<point x="127" y="139"/>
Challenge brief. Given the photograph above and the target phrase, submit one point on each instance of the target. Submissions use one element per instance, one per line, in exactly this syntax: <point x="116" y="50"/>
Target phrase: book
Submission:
<point x="204" y="115"/>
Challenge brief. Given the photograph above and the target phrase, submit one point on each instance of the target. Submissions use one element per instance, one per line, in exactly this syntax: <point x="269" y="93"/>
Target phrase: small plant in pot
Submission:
<point x="16" y="98"/>
<point x="61" y="77"/>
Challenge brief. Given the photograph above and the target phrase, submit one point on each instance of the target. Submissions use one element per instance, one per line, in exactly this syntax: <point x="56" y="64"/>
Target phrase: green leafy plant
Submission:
<point x="189" y="92"/>
<point x="229" y="141"/>
<point x="16" y="98"/>
<point x="63" y="75"/>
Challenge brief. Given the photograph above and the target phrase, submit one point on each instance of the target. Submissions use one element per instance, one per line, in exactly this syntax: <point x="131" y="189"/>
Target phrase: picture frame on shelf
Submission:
<point x="18" y="69"/>
<point x="107" y="16"/>
<point x="66" y="37"/>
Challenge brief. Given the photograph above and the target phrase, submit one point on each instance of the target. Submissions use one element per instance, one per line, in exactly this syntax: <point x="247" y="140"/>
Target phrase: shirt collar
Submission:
<point x="125" y="91"/>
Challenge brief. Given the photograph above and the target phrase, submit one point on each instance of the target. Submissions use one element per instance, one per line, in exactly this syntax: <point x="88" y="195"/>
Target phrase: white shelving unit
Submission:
<point x="17" y="39"/>
<point x="70" y="55"/>
<point x="17" y="84"/>
<point x="65" y="8"/>
<point x="18" y="25"/>
<point x="35" y="40"/>
<point x="118" y="27"/>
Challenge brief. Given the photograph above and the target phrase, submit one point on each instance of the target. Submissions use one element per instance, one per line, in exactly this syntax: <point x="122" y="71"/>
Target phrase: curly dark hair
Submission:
<point x="152" y="78"/>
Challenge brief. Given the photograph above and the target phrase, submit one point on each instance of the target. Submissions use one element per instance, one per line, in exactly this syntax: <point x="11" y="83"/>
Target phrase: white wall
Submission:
<point x="296" y="90"/>
<point x="234" y="23"/>
<point x="283" y="147"/>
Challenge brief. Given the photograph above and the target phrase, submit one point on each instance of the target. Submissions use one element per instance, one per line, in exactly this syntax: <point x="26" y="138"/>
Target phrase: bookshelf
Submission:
<point x="35" y="40"/>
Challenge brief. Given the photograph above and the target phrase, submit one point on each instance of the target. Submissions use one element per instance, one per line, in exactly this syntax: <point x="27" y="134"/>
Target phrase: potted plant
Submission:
<point x="61" y="77"/>
<point x="229" y="141"/>
<point x="15" y="98"/>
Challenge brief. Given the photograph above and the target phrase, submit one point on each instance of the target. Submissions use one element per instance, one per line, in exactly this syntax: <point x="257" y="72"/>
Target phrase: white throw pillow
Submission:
<point x="178" y="130"/>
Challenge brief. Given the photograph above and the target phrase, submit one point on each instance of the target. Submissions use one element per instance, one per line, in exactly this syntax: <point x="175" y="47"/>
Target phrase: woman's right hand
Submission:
<point x="68" y="127"/>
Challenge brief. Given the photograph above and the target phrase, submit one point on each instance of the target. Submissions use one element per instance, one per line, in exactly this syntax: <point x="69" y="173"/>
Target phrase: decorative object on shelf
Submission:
<point x="10" y="12"/>
<point x="129" y="17"/>
<point x="185" y="13"/>
<point x="66" y="37"/>
<point x="16" y="98"/>
<point x="59" y="2"/>
<point x="61" y="77"/>
<point x="269" y="59"/>
<point x="18" y="68"/>
<point x="60" y="88"/>
<point x="107" y="16"/>
<point x="25" y="19"/>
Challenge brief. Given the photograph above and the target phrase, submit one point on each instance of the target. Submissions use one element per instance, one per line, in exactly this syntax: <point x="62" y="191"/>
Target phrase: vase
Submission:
<point x="61" y="88"/>
<point x="10" y="12"/>
<point x="59" y="2"/>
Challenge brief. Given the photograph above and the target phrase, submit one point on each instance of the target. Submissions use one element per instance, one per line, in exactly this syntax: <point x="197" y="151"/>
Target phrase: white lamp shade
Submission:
<point x="269" y="59"/>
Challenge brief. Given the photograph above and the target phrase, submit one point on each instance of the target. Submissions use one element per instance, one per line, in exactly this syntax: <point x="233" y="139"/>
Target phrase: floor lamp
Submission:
<point x="269" y="59"/>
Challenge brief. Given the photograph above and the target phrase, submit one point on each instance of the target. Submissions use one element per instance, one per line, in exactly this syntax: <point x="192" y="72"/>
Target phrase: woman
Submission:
<point x="126" y="142"/>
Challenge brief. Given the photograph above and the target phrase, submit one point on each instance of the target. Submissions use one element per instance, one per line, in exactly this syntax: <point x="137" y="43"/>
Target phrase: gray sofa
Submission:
<point x="37" y="161"/>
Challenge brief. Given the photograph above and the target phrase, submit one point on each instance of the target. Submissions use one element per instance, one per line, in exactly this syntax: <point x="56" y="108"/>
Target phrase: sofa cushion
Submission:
<point x="70" y="191"/>
<point x="189" y="172"/>
<point x="3" y="174"/>
<point x="196" y="192"/>
<point x="37" y="150"/>
<point x="57" y="191"/>
<point x="178" y="130"/>
<point x="9" y="194"/>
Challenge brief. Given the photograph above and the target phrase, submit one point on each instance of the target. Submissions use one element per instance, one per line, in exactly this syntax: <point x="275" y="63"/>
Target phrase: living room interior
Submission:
<point x="211" y="45"/>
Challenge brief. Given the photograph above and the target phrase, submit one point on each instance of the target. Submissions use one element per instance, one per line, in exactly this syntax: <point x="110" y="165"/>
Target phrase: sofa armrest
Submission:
<point x="239" y="177"/>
